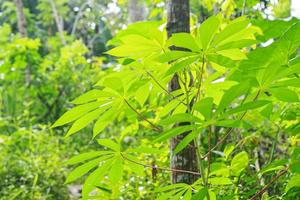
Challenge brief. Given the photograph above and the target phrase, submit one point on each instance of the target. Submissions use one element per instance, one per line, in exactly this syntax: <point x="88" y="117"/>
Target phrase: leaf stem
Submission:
<point x="155" y="127"/>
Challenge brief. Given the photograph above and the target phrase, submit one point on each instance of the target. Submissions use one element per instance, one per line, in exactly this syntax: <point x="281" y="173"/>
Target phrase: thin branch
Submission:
<point x="259" y="193"/>
<point x="142" y="117"/>
<point x="229" y="131"/>
<point x="161" y="168"/>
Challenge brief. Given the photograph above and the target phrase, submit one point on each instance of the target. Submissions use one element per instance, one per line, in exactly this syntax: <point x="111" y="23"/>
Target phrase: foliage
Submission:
<point x="226" y="82"/>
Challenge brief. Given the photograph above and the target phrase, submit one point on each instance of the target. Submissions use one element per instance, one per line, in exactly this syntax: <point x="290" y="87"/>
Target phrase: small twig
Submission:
<point x="161" y="168"/>
<point x="142" y="117"/>
<point x="259" y="193"/>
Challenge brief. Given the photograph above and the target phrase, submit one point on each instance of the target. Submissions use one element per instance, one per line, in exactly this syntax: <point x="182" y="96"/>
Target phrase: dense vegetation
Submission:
<point x="202" y="93"/>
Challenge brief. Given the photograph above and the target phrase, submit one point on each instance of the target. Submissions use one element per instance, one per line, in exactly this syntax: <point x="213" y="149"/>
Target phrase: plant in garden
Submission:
<point x="230" y="87"/>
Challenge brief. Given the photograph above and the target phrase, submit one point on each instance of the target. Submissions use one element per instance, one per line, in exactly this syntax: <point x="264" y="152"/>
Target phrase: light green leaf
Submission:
<point x="92" y="95"/>
<point x="228" y="150"/>
<point x="93" y="179"/>
<point x="184" y="40"/>
<point x="174" y="55"/>
<point x="207" y="30"/>
<point x="86" y="156"/>
<point x="109" y="144"/>
<point x="204" y="106"/>
<point x="180" y="117"/>
<point x="85" y="120"/>
<point x="220" y="181"/>
<point x="75" y="113"/>
<point x="173" y="132"/>
<point x="231" y="94"/>
<point x="284" y="94"/>
<point x="293" y="182"/>
<point x="238" y="163"/>
<point x="116" y="171"/>
<point x="248" y="106"/>
<point x="83" y="169"/>
<point x="184" y="142"/>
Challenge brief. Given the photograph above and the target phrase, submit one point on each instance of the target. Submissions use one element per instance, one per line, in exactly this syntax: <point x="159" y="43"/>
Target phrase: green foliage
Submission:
<point x="225" y="81"/>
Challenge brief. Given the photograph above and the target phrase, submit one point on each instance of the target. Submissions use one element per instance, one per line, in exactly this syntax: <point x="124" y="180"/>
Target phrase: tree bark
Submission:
<point x="21" y="18"/>
<point x="178" y="20"/>
<point x="136" y="11"/>
<point x="58" y="21"/>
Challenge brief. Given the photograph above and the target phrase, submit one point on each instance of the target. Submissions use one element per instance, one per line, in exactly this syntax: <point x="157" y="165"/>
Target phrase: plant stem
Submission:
<point x="259" y="193"/>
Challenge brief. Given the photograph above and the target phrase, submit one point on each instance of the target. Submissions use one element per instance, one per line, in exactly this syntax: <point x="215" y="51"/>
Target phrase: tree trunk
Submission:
<point x="178" y="20"/>
<point x="21" y="18"/>
<point x="136" y="10"/>
<point x="23" y="32"/>
<point x="58" y="21"/>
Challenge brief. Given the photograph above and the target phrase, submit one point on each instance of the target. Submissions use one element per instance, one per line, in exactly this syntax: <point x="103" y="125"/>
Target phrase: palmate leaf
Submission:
<point x="76" y="112"/>
<point x="185" y="40"/>
<point x="85" y="168"/>
<point x="175" y="191"/>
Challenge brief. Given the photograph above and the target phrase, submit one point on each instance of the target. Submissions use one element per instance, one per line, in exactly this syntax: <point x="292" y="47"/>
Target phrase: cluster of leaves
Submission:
<point x="227" y="82"/>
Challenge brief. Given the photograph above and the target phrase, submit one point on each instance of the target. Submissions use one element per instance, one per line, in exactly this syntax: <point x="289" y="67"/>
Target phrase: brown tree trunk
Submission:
<point x="178" y="20"/>
<point x="21" y="18"/>
<point x="136" y="10"/>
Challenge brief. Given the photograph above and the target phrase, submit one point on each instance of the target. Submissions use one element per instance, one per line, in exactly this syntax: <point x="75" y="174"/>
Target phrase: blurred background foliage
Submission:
<point x="42" y="72"/>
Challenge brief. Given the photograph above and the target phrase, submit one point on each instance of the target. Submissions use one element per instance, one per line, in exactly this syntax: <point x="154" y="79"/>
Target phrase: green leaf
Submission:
<point x="228" y="150"/>
<point x="207" y="31"/>
<point x="173" y="132"/>
<point x="220" y="181"/>
<point x="248" y="106"/>
<point x="293" y="182"/>
<point x="92" y="95"/>
<point x="106" y="118"/>
<point x="238" y="163"/>
<point x="93" y="179"/>
<point x="204" y="106"/>
<point x="275" y="165"/>
<point x="83" y="169"/>
<point x="284" y="94"/>
<point x="116" y="171"/>
<point x="86" y="156"/>
<point x="231" y="94"/>
<point x="184" y="40"/>
<point x="180" y="117"/>
<point x="184" y="142"/>
<point x="200" y="195"/>
<point x="232" y="28"/>
<point x="143" y="149"/>
<point x="114" y="83"/>
<point x="109" y="144"/>
<point x="174" y="55"/>
<point x="85" y="120"/>
<point x="181" y="64"/>
<point x="75" y="113"/>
